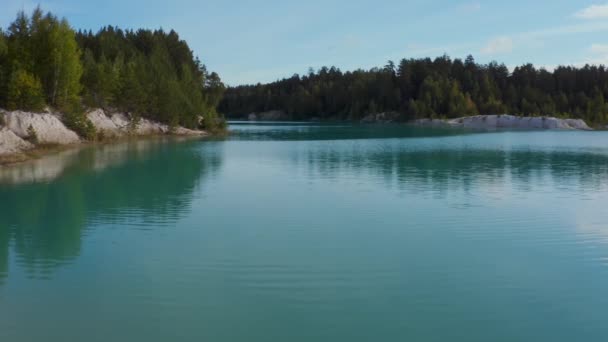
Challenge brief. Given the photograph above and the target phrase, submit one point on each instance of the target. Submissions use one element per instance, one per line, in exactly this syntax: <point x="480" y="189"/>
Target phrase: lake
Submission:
<point x="310" y="232"/>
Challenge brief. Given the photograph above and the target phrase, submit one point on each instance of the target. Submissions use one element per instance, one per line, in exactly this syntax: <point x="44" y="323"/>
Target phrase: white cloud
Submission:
<point x="498" y="45"/>
<point x="598" y="55"/>
<point x="599" y="49"/>
<point x="593" y="12"/>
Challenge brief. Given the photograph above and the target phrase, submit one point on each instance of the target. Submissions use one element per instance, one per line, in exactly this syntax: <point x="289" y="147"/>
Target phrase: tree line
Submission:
<point x="147" y="73"/>
<point x="430" y="88"/>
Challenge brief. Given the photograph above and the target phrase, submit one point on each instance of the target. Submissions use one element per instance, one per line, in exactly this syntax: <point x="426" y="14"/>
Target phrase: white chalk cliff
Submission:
<point x="495" y="122"/>
<point x="17" y="127"/>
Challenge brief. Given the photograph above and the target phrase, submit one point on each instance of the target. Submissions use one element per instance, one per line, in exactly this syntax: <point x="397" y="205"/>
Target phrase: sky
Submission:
<point x="262" y="41"/>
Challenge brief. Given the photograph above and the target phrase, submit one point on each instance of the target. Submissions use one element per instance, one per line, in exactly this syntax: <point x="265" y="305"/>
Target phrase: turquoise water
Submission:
<point x="310" y="233"/>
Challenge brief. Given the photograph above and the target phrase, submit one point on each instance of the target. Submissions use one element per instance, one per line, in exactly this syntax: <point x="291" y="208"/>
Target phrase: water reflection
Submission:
<point x="257" y="131"/>
<point x="461" y="169"/>
<point x="47" y="205"/>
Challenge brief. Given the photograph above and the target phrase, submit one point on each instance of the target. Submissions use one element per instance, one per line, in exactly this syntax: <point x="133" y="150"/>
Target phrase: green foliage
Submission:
<point x="149" y="74"/>
<point x="45" y="47"/>
<point x="79" y="123"/>
<point x="24" y="92"/>
<point x="32" y="135"/>
<point x="427" y="88"/>
<point x="212" y="122"/>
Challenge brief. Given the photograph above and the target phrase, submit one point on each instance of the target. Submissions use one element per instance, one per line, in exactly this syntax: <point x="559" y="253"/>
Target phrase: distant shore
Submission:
<point x="27" y="135"/>
<point x="496" y="122"/>
<point x="477" y="122"/>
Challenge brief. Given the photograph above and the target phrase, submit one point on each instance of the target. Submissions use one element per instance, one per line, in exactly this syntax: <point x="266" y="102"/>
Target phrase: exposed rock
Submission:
<point x="272" y="115"/>
<point x="118" y="124"/>
<point x="578" y="124"/>
<point x="105" y="124"/>
<point x="386" y="117"/>
<point x="48" y="127"/>
<point x="121" y="121"/>
<point x="494" y="122"/>
<point x="17" y="127"/>
<point x="10" y="143"/>
<point x="186" y="131"/>
<point x="147" y="127"/>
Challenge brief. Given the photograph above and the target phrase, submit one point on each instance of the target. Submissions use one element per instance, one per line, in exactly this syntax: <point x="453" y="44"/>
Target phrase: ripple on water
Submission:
<point x="280" y="235"/>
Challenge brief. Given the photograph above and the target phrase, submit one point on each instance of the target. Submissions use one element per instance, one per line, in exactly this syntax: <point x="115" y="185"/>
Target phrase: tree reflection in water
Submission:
<point x="47" y="205"/>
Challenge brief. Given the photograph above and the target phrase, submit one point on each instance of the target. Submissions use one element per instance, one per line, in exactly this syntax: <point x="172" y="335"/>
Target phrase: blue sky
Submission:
<point x="261" y="41"/>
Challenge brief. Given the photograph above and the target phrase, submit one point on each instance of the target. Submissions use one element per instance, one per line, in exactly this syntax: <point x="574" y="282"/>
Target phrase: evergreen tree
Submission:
<point x="425" y="88"/>
<point x="146" y="73"/>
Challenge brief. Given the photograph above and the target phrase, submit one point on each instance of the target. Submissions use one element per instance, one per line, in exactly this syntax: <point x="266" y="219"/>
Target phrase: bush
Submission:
<point x="80" y="124"/>
<point x="32" y="135"/>
<point x="213" y="123"/>
<point x="135" y="120"/>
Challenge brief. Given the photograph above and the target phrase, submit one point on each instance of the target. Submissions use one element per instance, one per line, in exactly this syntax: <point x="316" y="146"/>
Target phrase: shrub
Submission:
<point x="32" y="135"/>
<point x="80" y="124"/>
<point x="213" y="123"/>
<point x="135" y="120"/>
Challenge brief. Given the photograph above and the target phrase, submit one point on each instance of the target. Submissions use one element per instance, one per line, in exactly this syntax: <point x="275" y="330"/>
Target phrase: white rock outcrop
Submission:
<point x="103" y="123"/>
<point x="119" y="124"/>
<point x="48" y="127"/>
<point x="147" y="127"/>
<point x="495" y="122"/>
<point x="10" y="143"/>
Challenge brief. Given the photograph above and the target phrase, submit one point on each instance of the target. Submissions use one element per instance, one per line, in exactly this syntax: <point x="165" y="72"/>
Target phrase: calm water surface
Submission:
<point x="310" y="233"/>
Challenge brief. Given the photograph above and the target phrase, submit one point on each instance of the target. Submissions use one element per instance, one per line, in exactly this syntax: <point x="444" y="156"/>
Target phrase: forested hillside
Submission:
<point x="426" y="88"/>
<point x="151" y="74"/>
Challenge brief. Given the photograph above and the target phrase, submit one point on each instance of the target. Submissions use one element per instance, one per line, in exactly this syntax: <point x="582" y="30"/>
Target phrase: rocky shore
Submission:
<point x="23" y="132"/>
<point x="496" y="122"/>
<point x="272" y="115"/>
<point x="478" y="122"/>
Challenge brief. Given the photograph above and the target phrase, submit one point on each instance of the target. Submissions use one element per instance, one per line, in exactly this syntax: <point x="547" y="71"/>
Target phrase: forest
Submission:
<point x="154" y="74"/>
<point x="147" y="73"/>
<point x="429" y="88"/>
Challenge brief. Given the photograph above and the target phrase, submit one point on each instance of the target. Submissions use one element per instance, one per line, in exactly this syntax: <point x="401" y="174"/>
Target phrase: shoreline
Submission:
<point x="489" y="122"/>
<point x="26" y="136"/>
<point x="46" y="150"/>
